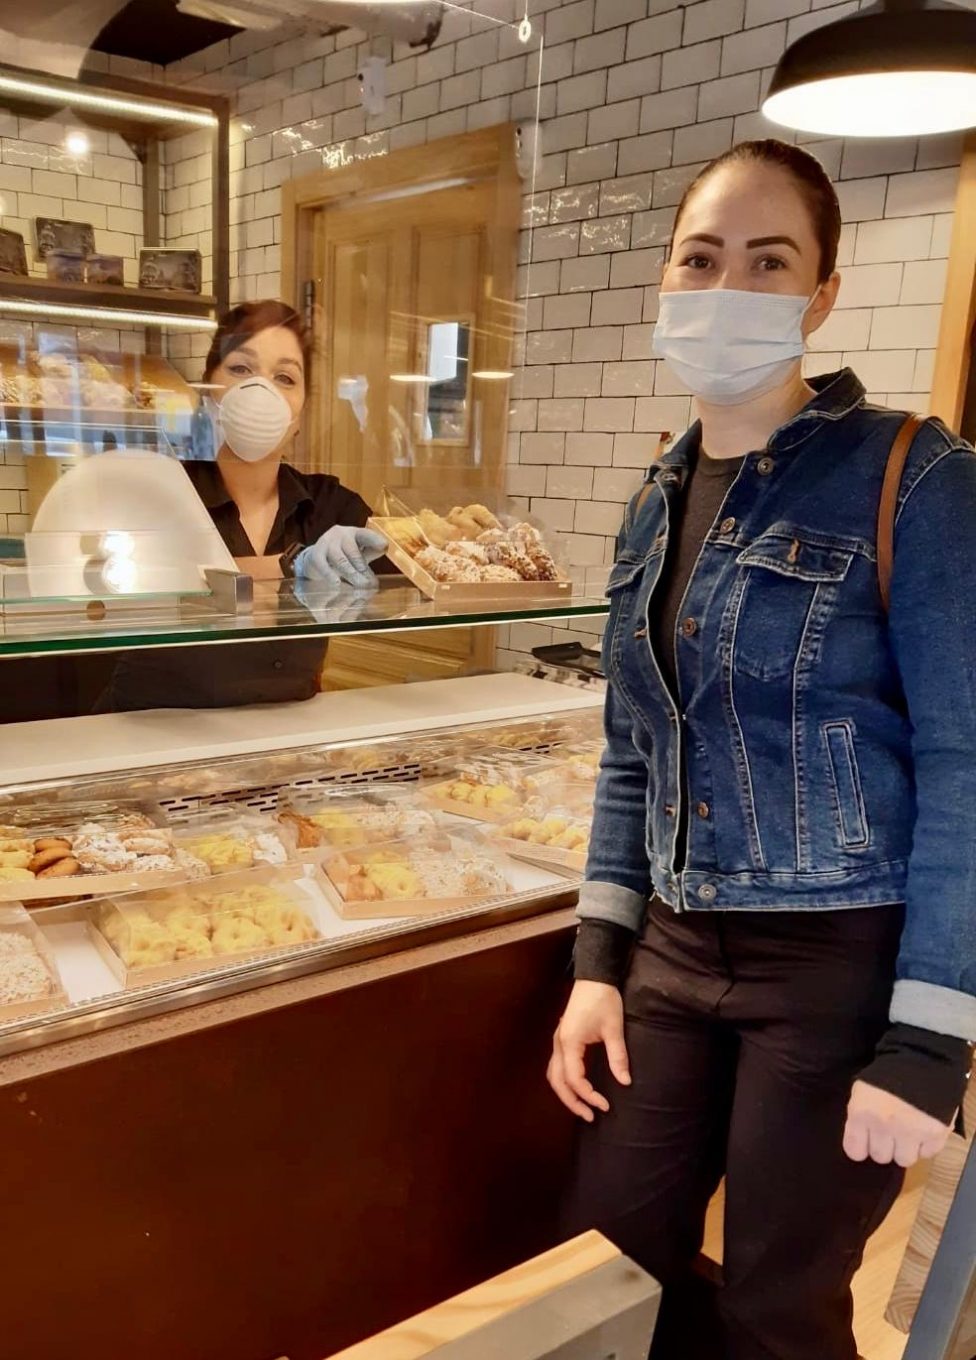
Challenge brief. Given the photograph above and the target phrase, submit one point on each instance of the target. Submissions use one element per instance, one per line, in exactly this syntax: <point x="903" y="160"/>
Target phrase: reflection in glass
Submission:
<point x="446" y="386"/>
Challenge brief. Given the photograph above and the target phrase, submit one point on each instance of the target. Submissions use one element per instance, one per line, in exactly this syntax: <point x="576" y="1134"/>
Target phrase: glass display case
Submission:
<point x="156" y="859"/>
<point x="152" y="864"/>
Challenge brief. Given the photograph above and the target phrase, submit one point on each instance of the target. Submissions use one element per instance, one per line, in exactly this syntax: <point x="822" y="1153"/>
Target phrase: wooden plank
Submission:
<point x="954" y="356"/>
<point x="486" y="1303"/>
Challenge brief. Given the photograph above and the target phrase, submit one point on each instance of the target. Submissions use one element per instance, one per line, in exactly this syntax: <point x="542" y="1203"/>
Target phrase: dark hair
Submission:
<point x="810" y="177"/>
<point x="247" y="319"/>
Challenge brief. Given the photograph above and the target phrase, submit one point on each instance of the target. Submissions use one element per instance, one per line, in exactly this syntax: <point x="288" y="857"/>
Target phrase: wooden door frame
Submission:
<point x="487" y="154"/>
<point x="954" y="358"/>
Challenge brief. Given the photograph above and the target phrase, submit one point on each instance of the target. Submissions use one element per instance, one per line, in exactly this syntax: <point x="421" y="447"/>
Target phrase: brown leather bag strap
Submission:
<point x="888" y="508"/>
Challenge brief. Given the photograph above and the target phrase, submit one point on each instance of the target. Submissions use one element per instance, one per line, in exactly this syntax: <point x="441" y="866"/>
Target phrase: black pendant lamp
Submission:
<point x="900" y="68"/>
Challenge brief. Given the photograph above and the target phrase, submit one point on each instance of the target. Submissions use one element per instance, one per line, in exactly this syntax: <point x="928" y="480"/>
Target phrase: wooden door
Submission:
<point x="402" y="279"/>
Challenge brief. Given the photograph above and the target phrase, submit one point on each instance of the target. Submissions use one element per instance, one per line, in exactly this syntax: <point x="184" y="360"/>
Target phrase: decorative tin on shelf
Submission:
<point x="53" y="234"/>
<point x="65" y="266"/>
<point x="13" y="254"/>
<point x="105" y="269"/>
<point x="176" y="271"/>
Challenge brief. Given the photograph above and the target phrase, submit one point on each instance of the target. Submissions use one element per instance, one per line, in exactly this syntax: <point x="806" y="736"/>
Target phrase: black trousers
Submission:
<point x="745" y="1032"/>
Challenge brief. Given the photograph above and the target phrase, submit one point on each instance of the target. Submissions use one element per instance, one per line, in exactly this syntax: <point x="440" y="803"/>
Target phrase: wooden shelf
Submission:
<point x="107" y="296"/>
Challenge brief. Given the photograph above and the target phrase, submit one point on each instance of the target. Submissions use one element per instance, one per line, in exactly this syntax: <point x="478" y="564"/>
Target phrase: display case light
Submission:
<point x="109" y="316"/>
<point x="900" y="68"/>
<point x="80" y="98"/>
<point x="493" y="374"/>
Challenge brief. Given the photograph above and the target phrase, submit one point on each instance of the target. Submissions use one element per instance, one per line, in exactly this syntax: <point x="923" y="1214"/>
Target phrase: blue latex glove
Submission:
<point x="342" y="554"/>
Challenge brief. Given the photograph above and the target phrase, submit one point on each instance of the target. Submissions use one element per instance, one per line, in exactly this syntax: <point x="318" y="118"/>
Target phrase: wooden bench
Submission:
<point x="581" y="1300"/>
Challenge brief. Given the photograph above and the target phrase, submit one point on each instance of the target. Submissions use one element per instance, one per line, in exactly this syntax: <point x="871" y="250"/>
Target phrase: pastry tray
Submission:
<point x="46" y="890"/>
<point x="286" y="879"/>
<point x="15" y="919"/>
<point x="458" y="593"/>
<point x="572" y="862"/>
<point x="435" y="795"/>
<point x="392" y="907"/>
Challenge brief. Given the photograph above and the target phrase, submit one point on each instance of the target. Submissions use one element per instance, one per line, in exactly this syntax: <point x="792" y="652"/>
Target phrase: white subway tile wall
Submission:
<point x="635" y="96"/>
<point x="40" y="177"/>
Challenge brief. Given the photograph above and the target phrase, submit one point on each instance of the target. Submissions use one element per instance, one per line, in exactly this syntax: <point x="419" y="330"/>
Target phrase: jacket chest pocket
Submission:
<point x="627" y="598"/>
<point x="784" y="582"/>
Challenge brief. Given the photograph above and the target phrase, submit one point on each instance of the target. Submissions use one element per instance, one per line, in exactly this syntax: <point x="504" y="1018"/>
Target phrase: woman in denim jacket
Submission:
<point x="776" y="959"/>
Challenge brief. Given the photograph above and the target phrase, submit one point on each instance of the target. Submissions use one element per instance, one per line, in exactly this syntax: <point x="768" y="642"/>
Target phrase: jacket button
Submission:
<point x="765" y="466"/>
<point x="727" y="525"/>
<point x="708" y="892"/>
<point x="704" y="811"/>
<point x="689" y="627"/>
<point x="278" y="665"/>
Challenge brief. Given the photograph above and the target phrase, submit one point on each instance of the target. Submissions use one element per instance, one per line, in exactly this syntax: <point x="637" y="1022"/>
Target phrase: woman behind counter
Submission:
<point x="276" y="521"/>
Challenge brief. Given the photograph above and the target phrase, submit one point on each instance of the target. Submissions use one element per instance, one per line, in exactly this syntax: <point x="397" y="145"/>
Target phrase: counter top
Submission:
<point x="107" y="743"/>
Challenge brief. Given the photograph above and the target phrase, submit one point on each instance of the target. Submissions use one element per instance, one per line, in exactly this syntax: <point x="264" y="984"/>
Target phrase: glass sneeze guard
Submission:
<point x="285" y="609"/>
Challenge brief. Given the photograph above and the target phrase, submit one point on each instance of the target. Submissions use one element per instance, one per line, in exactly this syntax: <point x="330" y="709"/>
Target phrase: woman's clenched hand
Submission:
<point x="886" y="1129"/>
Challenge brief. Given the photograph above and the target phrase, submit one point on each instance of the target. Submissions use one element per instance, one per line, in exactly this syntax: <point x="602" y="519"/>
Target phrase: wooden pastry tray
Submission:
<point x="546" y="856"/>
<point x="418" y="906"/>
<point x="280" y="876"/>
<point x="456" y="594"/>
<point x="436" y="796"/>
<point x="44" y="890"/>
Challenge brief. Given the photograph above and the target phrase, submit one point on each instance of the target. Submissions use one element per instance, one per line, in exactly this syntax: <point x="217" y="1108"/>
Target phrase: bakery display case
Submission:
<point x="142" y="851"/>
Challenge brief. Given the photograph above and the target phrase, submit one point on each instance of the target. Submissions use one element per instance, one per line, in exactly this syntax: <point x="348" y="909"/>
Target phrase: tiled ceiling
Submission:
<point x="156" y="31"/>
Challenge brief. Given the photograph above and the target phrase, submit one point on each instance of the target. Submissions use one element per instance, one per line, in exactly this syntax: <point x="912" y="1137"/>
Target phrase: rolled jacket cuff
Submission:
<point x="929" y="1006"/>
<point x="612" y="902"/>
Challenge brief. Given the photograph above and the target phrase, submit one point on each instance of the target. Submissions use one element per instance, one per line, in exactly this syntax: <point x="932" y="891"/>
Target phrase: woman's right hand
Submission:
<point x="594" y="1015"/>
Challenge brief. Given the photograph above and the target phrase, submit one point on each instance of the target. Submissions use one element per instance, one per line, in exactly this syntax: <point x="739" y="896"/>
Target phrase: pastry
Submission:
<point x="11" y="874"/>
<point x="15" y="859"/>
<point x="62" y="867"/>
<point x="437" y="529"/>
<point x="175" y="925"/>
<point x="23" y="973"/>
<point x="406" y="532"/>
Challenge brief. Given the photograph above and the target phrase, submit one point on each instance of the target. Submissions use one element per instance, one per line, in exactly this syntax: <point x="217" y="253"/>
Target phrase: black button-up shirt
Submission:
<point x="243" y="672"/>
<point x="309" y="503"/>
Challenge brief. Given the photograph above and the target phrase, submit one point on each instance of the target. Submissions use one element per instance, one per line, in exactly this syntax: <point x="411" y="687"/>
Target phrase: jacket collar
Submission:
<point x="837" y="395"/>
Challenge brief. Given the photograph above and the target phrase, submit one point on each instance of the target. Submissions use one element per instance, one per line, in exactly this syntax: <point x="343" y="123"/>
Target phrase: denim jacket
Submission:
<point x="828" y="751"/>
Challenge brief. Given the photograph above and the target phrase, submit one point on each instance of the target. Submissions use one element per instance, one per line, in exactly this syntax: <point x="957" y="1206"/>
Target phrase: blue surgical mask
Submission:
<point x="728" y="346"/>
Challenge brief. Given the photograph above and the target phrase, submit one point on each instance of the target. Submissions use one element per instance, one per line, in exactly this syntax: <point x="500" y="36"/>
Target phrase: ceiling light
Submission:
<point x="54" y="311"/>
<point x="410" y="378"/>
<point x="900" y="68"/>
<point x="77" y="144"/>
<point x="79" y="97"/>
<point x="493" y="375"/>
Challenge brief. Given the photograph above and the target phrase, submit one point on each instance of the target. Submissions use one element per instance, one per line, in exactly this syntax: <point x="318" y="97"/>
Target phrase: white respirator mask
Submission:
<point x="252" y="419"/>
<point x="727" y="345"/>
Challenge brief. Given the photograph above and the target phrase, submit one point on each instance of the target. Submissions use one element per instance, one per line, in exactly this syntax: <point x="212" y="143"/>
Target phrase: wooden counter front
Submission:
<point x="289" y="1171"/>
